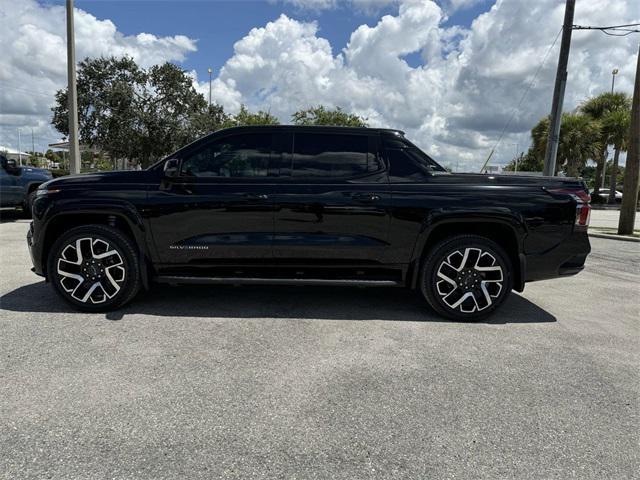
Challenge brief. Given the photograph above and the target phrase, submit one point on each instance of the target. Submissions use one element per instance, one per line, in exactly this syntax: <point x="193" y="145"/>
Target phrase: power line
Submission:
<point x="613" y="28"/>
<point x="524" y="94"/>
<point x="33" y="92"/>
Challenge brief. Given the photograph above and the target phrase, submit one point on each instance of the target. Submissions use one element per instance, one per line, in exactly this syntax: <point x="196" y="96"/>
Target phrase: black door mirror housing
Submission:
<point x="172" y="168"/>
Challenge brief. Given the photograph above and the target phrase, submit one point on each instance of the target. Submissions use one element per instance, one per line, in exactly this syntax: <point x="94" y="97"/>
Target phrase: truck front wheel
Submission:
<point x="466" y="277"/>
<point x="95" y="268"/>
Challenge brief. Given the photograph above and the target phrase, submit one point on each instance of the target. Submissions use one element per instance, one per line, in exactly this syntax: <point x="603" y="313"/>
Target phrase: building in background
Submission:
<point x="12" y="154"/>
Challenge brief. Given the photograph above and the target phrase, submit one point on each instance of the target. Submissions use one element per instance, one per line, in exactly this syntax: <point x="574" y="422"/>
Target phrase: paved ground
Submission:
<point x="321" y="383"/>
<point x="609" y="219"/>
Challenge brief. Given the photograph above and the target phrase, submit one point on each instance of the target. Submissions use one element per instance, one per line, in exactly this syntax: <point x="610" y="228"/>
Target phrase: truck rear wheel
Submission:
<point x="95" y="268"/>
<point x="466" y="277"/>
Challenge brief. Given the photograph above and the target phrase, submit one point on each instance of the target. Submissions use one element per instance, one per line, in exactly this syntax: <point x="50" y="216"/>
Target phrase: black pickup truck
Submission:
<point x="307" y="205"/>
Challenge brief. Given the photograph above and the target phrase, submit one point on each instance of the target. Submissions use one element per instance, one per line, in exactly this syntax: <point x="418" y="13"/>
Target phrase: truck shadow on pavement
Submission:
<point x="317" y="303"/>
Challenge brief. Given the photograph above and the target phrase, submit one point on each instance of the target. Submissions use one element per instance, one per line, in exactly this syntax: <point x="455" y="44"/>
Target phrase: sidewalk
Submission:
<point x="604" y="224"/>
<point x="609" y="219"/>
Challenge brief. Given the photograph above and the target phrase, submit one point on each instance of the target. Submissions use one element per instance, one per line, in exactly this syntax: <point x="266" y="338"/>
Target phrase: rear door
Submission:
<point x="220" y="208"/>
<point x="332" y="202"/>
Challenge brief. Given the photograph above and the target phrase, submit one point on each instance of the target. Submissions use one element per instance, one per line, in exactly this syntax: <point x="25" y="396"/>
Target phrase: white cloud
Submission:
<point x="456" y="104"/>
<point x="33" y="61"/>
<point x="373" y="6"/>
<point x="368" y="6"/>
<point x="313" y="4"/>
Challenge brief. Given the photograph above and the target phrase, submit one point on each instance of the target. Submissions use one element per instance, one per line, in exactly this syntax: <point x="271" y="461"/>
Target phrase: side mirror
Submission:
<point x="172" y="168"/>
<point x="11" y="164"/>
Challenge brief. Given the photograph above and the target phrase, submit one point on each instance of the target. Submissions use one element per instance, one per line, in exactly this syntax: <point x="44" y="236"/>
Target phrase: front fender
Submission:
<point x="51" y="216"/>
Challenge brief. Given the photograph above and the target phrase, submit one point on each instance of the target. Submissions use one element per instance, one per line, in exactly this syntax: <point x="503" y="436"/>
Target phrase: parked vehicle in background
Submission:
<point x="18" y="184"/>
<point x="307" y="205"/>
<point x="604" y="193"/>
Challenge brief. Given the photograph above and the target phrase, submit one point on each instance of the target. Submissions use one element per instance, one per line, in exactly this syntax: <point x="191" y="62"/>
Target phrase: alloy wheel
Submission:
<point x="91" y="270"/>
<point x="469" y="280"/>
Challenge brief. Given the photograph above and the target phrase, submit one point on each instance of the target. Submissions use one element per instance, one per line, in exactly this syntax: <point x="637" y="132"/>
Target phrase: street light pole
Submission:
<point x="613" y="78"/>
<point x="558" y="91"/>
<point x="517" y="145"/>
<point x="210" y="72"/>
<point x="74" y="145"/>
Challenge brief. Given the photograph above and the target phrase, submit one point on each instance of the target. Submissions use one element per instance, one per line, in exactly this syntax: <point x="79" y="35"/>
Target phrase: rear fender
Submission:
<point x="505" y="227"/>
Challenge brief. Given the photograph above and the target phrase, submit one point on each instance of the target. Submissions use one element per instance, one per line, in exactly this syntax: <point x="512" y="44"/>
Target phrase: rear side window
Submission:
<point x="333" y="156"/>
<point x="244" y="156"/>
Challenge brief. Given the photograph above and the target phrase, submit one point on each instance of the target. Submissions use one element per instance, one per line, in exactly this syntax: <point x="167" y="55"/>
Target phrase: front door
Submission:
<point x="220" y="208"/>
<point x="334" y="203"/>
<point x="11" y="192"/>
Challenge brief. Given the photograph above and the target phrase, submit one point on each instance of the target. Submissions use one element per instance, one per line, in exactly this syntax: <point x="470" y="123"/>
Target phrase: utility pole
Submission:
<point x="74" y="146"/>
<point x="19" y="149"/>
<point x="210" y="71"/>
<point x="558" y="91"/>
<point x="614" y="72"/>
<point x="632" y="167"/>
<point x="33" y="145"/>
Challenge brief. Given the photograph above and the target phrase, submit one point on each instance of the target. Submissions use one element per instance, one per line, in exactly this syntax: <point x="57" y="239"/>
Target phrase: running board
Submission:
<point x="275" y="281"/>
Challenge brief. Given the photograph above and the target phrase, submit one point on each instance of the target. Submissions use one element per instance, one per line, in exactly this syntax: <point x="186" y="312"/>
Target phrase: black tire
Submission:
<point x="28" y="203"/>
<point x="466" y="277"/>
<point x="109" y="279"/>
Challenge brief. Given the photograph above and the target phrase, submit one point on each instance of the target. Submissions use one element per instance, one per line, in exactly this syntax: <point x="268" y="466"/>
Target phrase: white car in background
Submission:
<point x="604" y="193"/>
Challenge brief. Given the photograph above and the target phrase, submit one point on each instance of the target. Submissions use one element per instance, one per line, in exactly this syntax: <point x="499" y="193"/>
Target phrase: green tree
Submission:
<point x="597" y="108"/>
<point x="168" y="105"/>
<point x="579" y="142"/>
<point x="616" y="127"/>
<point x="321" y="116"/>
<point x="137" y="114"/>
<point x="212" y="119"/>
<point x="526" y="162"/>
<point x="245" y="117"/>
<point x="108" y="105"/>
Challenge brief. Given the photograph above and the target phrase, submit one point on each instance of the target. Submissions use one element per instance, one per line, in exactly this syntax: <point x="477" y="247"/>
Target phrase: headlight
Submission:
<point x="43" y="190"/>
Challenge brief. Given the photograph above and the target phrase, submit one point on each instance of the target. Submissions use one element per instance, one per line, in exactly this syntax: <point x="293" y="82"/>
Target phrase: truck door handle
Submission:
<point x="256" y="196"/>
<point x="366" y="197"/>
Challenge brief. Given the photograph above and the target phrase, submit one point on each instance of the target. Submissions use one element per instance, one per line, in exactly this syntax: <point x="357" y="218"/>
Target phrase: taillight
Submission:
<point x="583" y="207"/>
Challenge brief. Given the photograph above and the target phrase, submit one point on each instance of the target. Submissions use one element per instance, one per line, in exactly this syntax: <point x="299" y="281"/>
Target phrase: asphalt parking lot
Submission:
<point x="266" y="382"/>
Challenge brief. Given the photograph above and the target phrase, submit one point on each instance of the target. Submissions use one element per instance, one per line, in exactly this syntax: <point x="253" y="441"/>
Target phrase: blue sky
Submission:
<point x="218" y="24"/>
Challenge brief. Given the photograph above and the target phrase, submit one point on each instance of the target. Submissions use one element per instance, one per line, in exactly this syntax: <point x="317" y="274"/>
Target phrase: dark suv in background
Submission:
<point x="307" y="205"/>
<point x="18" y="184"/>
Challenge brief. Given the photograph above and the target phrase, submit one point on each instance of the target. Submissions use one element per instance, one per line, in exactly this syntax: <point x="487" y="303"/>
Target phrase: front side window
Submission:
<point x="245" y="155"/>
<point x="407" y="163"/>
<point x="333" y="155"/>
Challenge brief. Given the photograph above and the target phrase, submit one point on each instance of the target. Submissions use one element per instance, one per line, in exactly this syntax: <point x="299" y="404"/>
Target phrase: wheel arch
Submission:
<point x="507" y="233"/>
<point x="129" y="223"/>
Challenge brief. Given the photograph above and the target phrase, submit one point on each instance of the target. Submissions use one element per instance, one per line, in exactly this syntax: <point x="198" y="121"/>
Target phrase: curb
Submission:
<point x="621" y="238"/>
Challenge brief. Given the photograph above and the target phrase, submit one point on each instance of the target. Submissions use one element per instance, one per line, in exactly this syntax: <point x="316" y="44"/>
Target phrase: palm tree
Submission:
<point x="616" y="128"/>
<point x="597" y="108"/>
<point x="539" y="134"/>
<point x="579" y="141"/>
